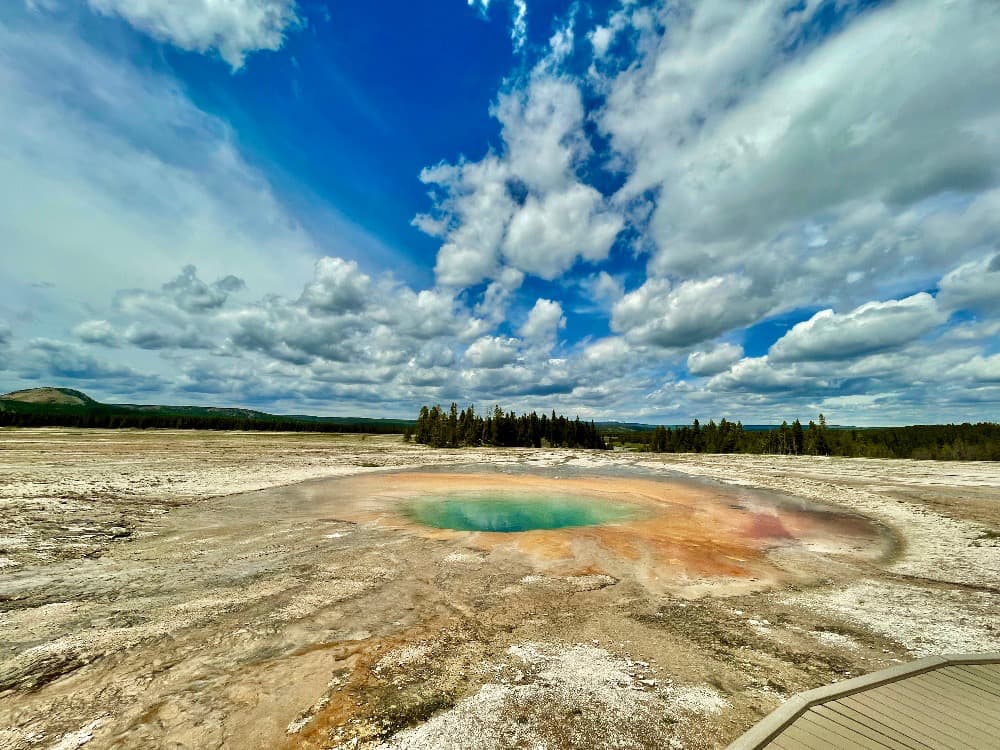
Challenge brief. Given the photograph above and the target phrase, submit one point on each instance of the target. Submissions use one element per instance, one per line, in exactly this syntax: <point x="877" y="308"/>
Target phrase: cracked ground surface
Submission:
<point x="232" y="590"/>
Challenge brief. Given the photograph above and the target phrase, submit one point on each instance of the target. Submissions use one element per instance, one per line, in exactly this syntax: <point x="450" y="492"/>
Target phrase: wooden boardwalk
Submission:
<point x="937" y="703"/>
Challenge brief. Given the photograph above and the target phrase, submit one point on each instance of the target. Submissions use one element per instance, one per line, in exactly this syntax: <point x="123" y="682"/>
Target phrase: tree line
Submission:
<point x="455" y="429"/>
<point x="966" y="442"/>
<point x="111" y="417"/>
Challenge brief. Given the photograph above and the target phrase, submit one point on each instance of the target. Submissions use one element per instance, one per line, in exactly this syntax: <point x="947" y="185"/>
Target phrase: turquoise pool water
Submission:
<point x="514" y="511"/>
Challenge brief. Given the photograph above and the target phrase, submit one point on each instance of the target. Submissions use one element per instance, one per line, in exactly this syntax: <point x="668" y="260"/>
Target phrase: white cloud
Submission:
<point x="760" y="127"/>
<point x="493" y="306"/>
<point x="872" y="327"/>
<point x="544" y="322"/>
<point x="755" y="374"/>
<point x="684" y="315"/>
<point x="97" y="332"/>
<point x="491" y="352"/>
<point x="981" y="369"/>
<point x="715" y="360"/>
<point x="601" y="37"/>
<point x="525" y="206"/>
<point x="479" y="206"/>
<point x="974" y="285"/>
<point x="519" y="26"/>
<point x="337" y="286"/>
<point x="234" y="28"/>
<point x="602" y="289"/>
<point x="779" y="168"/>
<point x="542" y="128"/>
<point x="546" y="236"/>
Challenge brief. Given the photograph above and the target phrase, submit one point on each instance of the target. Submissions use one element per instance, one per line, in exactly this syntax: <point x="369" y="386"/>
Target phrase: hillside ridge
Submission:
<point x="49" y="395"/>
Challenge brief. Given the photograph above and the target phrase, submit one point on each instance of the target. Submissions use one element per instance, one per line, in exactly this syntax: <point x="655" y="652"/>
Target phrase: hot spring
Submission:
<point x="669" y="533"/>
<point x="502" y="511"/>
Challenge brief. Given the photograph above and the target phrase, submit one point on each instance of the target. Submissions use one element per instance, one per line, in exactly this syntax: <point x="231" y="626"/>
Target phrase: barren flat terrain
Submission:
<point x="237" y="590"/>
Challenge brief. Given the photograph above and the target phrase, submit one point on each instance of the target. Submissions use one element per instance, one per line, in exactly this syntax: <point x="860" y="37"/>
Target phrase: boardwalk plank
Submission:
<point x="926" y="730"/>
<point x="959" y="709"/>
<point x="906" y="735"/>
<point x="835" y="735"/>
<point x="878" y="733"/>
<point x="923" y="703"/>
<point x="988" y="672"/>
<point x="850" y="737"/>
<point x="968" y="701"/>
<point x="971" y="680"/>
<point x="798" y="738"/>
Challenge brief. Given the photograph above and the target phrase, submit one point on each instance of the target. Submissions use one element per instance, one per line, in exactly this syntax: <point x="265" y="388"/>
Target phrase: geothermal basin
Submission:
<point x="678" y="535"/>
<point x="185" y="589"/>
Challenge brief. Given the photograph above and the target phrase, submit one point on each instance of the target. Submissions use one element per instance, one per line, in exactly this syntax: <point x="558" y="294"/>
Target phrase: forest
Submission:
<point x="963" y="442"/>
<point x="455" y="429"/>
<point x="118" y="416"/>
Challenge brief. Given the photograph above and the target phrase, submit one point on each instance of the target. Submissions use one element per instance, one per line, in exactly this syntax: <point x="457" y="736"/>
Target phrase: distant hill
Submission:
<point x="37" y="407"/>
<point x="64" y="396"/>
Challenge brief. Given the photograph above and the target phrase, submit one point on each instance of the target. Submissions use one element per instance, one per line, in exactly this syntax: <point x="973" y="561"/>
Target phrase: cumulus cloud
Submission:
<point x="233" y="28"/>
<point x="606" y="352"/>
<point x="603" y="289"/>
<point x="693" y="311"/>
<point x="974" y="285"/>
<point x="97" y="332"/>
<point x="981" y="369"/>
<point x="525" y="207"/>
<point x="544" y="322"/>
<point x="546" y="235"/>
<point x="492" y="352"/>
<point x="542" y="130"/>
<point x="338" y="285"/>
<point x="874" y="326"/>
<point x="601" y="37"/>
<point x="193" y="295"/>
<point x="915" y="131"/>
<point x="477" y="207"/>
<point x="178" y="302"/>
<point x="755" y="374"/>
<point x="776" y="167"/>
<point x="149" y="337"/>
<point x="715" y="360"/>
<point x="342" y="316"/>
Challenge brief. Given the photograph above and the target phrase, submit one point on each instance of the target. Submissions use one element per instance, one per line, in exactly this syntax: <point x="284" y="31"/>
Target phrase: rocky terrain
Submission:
<point x="236" y="590"/>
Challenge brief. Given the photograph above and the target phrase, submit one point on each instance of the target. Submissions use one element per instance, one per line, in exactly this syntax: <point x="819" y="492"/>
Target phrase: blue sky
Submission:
<point x="655" y="211"/>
